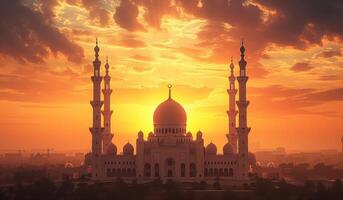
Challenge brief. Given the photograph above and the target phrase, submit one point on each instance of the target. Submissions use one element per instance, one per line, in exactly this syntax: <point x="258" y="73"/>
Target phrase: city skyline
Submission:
<point x="295" y="85"/>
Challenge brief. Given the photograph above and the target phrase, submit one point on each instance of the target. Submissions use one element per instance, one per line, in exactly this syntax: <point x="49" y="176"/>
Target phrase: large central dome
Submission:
<point x="170" y="112"/>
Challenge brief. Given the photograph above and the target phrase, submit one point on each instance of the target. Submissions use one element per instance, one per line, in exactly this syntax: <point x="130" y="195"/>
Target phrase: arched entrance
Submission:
<point x="170" y="167"/>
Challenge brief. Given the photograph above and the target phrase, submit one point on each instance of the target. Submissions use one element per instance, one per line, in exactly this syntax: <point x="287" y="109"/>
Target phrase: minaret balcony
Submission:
<point x="243" y="130"/>
<point x="242" y="79"/>
<point x="96" y="131"/>
<point x="96" y="79"/>
<point x="242" y="103"/>
<point x="96" y="103"/>
<point x="107" y="91"/>
<point x="232" y="91"/>
<point x="107" y="78"/>
<point x="107" y="112"/>
<point x="96" y="62"/>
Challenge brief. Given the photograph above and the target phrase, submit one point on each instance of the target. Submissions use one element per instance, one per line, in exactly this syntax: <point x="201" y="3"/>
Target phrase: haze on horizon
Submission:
<point x="293" y="50"/>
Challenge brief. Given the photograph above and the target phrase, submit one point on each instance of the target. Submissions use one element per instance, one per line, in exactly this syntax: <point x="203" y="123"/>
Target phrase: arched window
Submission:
<point x="192" y="170"/>
<point x="118" y="172"/>
<point x="210" y="172"/>
<point x="147" y="170"/>
<point x="183" y="169"/>
<point x="221" y="173"/>
<point x="123" y="171"/>
<point x="128" y="171"/>
<point x="108" y="173"/>
<point x="230" y="172"/>
<point x="157" y="170"/>
<point x="206" y="172"/>
<point x="226" y="172"/>
<point x="216" y="172"/>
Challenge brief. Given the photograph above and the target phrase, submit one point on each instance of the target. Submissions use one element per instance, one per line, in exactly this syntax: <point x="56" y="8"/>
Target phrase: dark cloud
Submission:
<point x="335" y="94"/>
<point x="301" y="67"/>
<point x="284" y="100"/>
<point x="303" y="23"/>
<point x="330" y="53"/>
<point x="126" y="16"/>
<point x="298" y="24"/>
<point x="27" y="35"/>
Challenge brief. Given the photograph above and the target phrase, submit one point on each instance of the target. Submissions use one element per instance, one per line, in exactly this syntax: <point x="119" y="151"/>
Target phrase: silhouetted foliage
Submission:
<point x="120" y="190"/>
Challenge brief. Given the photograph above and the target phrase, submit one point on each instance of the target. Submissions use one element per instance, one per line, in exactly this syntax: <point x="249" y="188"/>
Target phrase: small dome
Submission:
<point x="211" y="149"/>
<point x="151" y="134"/>
<point x="140" y="134"/>
<point x="199" y="134"/>
<point x="128" y="149"/>
<point x="189" y="134"/>
<point x="112" y="149"/>
<point x="227" y="149"/>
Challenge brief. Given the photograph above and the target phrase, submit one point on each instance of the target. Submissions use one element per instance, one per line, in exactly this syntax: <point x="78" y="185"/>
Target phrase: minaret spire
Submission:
<point x="96" y="103"/>
<point x="242" y="130"/>
<point x="107" y="112"/>
<point x="232" y="112"/>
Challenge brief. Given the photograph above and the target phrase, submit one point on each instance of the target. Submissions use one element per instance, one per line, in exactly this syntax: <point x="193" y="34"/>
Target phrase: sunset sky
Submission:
<point x="294" y="51"/>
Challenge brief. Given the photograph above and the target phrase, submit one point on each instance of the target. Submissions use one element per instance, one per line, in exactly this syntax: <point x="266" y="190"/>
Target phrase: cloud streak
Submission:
<point x="26" y="35"/>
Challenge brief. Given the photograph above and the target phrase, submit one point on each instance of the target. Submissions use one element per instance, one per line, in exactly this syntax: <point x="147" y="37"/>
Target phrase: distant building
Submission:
<point x="170" y="152"/>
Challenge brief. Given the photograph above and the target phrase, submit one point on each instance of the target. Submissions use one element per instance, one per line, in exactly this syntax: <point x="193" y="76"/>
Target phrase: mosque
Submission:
<point x="170" y="151"/>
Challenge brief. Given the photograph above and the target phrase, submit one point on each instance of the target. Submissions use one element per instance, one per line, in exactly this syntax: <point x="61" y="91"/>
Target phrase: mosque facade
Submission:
<point x="170" y="151"/>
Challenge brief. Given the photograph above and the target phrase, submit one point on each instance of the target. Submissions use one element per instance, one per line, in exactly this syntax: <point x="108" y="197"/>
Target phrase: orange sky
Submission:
<point x="295" y="65"/>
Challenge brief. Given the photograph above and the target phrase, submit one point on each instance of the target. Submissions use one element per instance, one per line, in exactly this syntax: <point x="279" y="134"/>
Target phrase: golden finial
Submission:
<point x="170" y="86"/>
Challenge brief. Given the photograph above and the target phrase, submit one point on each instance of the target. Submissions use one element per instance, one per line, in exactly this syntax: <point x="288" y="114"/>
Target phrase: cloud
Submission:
<point x="329" y="77"/>
<point x="302" y="23"/>
<point x="293" y="23"/>
<point x="301" y="67"/>
<point x="330" y="53"/>
<point x="335" y="94"/>
<point x="131" y="41"/>
<point x="126" y="16"/>
<point x="96" y="9"/>
<point x="287" y="101"/>
<point x="27" y="35"/>
<point x="40" y="88"/>
<point x="156" y="9"/>
<point x="143" y="58"/>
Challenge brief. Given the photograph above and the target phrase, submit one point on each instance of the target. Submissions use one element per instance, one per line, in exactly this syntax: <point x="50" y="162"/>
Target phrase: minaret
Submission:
<point x="242" y="129"/>
<point x="232" y="112"/>
<point x="96" y="103"/>
<point x="107" y="112"/>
